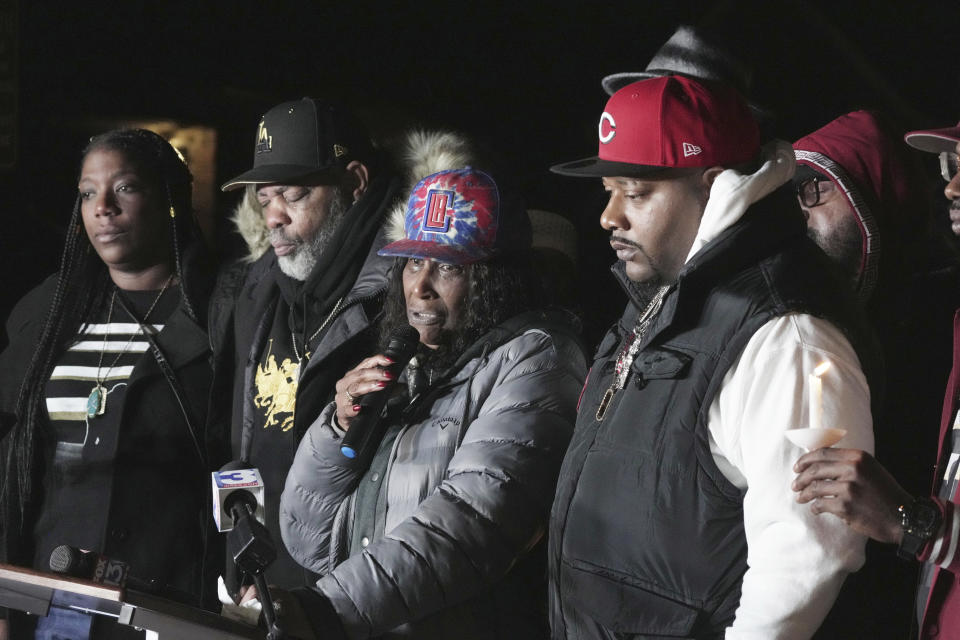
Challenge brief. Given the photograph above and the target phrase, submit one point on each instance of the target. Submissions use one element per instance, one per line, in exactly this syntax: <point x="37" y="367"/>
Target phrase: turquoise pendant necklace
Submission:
<point x="97" y="400"/>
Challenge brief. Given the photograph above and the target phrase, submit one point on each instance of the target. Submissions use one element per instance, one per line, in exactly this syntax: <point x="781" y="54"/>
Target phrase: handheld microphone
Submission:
<point x="236" y="478"/>
<point x="367" y="430"/>
<point x="89" y="565"/>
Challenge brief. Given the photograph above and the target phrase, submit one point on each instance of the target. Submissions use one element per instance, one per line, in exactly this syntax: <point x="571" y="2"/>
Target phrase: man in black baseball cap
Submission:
<point x="287" y="322"/>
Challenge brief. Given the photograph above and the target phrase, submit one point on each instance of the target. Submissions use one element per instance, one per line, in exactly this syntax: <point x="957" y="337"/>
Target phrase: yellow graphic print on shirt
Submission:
<point x="277" y="390"/>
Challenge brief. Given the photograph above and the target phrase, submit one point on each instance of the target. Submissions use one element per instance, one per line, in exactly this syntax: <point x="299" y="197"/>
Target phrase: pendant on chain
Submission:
<point x="97" y="401"/>
<point x="604" y="403"/>
<point x="629" y="351"/>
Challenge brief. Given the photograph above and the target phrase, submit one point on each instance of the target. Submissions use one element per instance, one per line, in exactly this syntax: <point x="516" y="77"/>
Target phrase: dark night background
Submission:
<point x="521" y="77"/>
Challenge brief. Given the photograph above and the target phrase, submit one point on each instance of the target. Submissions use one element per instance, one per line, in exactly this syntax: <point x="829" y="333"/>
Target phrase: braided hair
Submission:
<point x="83" y="285"/>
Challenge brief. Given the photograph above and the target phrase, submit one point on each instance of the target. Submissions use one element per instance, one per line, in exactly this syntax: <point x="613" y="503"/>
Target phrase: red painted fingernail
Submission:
<point x="389" y="374"/>
<point x="381" y="384"/>
<point x="356" y="408"/>
<point x="390" y="360"/>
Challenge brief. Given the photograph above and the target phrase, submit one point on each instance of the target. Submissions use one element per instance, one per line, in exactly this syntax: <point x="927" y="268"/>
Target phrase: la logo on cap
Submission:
<point x="691" y="150"/>
<point x="438" y="214"/>
<point x="264" y="140"/>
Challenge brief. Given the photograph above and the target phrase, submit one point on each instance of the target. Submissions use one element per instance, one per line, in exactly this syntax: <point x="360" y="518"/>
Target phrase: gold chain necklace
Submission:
<point x="630" y="350"/>
<point x="97" y="400"/>
<point x="306" y="343"/>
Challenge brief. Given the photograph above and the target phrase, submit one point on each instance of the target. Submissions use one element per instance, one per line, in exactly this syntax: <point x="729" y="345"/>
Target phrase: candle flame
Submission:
<point x="822" y="368"/>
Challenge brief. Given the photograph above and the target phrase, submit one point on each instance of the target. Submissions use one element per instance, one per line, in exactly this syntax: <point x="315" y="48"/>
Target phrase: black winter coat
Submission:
<point x="157" y="509"/>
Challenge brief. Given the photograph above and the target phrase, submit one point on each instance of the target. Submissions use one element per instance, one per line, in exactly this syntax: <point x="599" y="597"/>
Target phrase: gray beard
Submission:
<point x="299" y="264"/>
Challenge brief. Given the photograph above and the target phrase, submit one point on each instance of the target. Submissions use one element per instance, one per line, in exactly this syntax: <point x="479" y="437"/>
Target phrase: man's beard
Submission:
<point x="844" y="246"/>
<point x="300" y="264"/>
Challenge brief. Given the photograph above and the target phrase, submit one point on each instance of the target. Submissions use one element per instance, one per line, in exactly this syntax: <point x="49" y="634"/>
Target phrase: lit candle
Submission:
<point x="815" y="395"/>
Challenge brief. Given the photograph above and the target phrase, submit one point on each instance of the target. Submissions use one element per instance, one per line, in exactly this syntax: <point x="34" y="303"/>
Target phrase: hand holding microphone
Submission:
<point x="359" y="397"/>
<point x="370" y="376"/>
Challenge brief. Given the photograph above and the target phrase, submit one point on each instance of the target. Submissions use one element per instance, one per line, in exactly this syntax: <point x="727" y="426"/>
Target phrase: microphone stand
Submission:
<point x="253" y="551"/>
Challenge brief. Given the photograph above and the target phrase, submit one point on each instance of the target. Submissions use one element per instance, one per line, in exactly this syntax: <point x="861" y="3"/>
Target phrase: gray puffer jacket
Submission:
<point x="463" y="485"/>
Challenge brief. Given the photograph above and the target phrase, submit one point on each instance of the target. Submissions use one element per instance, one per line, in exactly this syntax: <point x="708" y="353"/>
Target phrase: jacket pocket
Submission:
<point x="660" y="364"/>
<point x="626" y="608"/>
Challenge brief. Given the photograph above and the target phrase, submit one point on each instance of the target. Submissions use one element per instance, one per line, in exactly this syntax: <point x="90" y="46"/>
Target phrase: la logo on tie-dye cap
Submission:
<point x="452" y="216"/>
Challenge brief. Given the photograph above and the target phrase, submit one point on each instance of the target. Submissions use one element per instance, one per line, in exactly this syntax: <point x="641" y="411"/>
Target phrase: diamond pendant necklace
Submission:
<point x="630" y="349"/>
<point x="97" y="400"/>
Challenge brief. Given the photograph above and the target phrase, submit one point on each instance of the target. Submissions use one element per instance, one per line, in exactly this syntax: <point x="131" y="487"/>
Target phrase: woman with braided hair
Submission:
<point x="104" y="388"/>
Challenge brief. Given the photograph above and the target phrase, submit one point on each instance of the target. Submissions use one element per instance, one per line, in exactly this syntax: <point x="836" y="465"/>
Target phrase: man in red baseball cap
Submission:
<point x="926" y="529"/>
<point x="945" y="143"/>
<point x="674" y="515"/>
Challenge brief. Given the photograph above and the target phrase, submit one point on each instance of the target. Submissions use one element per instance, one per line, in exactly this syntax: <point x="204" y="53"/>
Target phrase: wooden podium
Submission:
<point x="32" y="591"/>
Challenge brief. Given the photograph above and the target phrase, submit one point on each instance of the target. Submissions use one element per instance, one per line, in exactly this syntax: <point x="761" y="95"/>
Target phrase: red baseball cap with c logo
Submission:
<point x="672" y="122"/>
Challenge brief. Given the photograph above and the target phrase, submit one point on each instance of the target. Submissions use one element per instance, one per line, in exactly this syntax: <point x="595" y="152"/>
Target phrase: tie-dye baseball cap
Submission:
<point x="456" y="216"/>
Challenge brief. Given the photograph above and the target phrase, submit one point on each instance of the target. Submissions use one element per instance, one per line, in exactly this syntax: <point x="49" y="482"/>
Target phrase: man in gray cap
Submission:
<point x="286" y="325"/>
<point x="690" y="53"/>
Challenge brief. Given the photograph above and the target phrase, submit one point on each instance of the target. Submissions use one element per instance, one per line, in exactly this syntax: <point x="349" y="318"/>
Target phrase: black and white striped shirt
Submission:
<point x="78" y="483"/>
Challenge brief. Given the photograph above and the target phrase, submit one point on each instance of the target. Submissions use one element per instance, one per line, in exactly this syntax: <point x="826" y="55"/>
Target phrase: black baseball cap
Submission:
<point x="300" y="138"/>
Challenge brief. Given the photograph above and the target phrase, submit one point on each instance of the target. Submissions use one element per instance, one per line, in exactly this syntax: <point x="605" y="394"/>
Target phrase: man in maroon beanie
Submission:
<point x="865" y="199"/>
<point x="851" y="484"/>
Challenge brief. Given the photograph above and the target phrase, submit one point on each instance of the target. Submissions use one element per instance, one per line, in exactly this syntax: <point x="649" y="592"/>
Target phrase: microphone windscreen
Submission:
<point x="64" y="559"/>
<point x="402" y="343"/>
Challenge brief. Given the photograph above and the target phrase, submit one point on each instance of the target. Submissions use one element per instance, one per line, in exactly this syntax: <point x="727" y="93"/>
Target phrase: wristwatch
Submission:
<point x="920" y="520"/>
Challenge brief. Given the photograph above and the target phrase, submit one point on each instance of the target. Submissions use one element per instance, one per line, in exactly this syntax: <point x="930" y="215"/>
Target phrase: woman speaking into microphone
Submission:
<point x="435" y="530"/>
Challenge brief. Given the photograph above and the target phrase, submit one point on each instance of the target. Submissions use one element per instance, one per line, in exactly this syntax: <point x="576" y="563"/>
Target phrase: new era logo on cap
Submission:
<point x="691" y="149"/>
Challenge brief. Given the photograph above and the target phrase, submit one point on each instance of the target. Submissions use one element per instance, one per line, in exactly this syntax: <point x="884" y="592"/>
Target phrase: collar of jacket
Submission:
<point x="553" y="320"/>
<point x="181" y="341"/>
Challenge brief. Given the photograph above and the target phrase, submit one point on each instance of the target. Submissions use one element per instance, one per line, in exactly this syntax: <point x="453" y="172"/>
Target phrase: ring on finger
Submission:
<point x="352" y="399"/>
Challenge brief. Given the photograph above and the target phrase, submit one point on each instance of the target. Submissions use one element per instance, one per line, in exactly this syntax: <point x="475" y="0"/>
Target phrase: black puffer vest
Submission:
<point x="646" y="534"/>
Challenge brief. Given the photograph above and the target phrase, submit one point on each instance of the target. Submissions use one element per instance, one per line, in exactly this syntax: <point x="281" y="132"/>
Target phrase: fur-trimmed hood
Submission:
<point x="420" y="154"/>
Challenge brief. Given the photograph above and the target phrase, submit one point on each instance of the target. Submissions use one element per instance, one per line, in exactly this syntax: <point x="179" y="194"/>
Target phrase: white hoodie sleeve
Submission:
<point x="796" y="561"/>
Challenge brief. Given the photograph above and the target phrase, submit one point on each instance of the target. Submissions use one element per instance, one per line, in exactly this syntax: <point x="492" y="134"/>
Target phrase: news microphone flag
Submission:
<point x="227" y="482"/>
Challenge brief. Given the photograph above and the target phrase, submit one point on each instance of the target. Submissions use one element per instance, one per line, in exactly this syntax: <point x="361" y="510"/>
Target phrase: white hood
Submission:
<point x="733" y="192"/>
